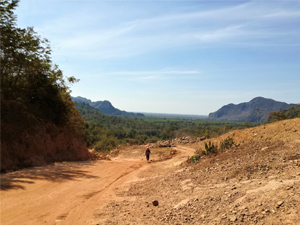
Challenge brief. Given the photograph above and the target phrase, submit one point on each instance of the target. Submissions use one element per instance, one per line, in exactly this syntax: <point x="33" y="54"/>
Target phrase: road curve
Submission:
<point x="71" y="192"/>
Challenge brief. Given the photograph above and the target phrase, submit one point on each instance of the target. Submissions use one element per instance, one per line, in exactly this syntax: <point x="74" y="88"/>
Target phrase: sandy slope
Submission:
<point x="257" y="182"/>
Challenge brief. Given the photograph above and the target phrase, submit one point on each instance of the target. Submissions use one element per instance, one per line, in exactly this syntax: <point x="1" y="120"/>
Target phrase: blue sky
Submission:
<point x="183" y="57"/>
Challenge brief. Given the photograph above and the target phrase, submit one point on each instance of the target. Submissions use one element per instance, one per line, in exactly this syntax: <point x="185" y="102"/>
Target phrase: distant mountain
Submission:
<point x="106" y="107"/>
<point x="257" y="110"/>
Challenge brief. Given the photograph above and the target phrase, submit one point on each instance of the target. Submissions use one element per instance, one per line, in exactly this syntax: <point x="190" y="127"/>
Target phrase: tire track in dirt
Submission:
<point x="133" y="167"/>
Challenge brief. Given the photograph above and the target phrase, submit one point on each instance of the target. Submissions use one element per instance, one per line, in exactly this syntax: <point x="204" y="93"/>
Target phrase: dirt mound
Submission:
<point x="257" y="182"/>
<point x="283" y="131"/>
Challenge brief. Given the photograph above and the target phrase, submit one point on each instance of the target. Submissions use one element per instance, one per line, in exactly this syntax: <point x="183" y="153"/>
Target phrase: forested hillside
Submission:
<point x="104" y="132"/>
<point x="39" y="123"/>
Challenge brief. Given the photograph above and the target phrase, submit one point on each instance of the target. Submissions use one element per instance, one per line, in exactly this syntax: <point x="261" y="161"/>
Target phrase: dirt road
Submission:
<point x="71" y="192"/>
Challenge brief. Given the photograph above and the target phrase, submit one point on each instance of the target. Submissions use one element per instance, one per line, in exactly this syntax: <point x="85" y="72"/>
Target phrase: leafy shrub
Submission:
<point x="210" y="148"/>
<point x="132" y="141"/>
<point x="227" y="143"/>
<point x="106" y="144"/>
<point x="152" y="140"/>
<point x="291" y="113"/>
<point x="195" y="158"/>
<point x="277" y="116"/>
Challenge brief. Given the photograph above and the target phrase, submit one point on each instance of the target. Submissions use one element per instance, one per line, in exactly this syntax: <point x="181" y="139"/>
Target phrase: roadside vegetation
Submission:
<point x="104" y="133"/>
<point x="39" y="123"/>
<point x="291" y="113"/>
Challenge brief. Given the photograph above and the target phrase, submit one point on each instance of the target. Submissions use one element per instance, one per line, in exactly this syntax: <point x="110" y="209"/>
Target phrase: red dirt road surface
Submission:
<point x="65" y="193"/>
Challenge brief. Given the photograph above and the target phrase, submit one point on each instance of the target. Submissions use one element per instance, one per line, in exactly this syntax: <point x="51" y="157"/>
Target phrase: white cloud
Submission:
<point x="221" y="34"/>
<point x="117" y="36"/>
<point x="156" y="75"/>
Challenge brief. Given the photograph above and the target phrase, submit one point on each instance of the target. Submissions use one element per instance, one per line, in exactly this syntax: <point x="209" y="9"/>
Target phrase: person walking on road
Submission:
<point x="147" y="153"/>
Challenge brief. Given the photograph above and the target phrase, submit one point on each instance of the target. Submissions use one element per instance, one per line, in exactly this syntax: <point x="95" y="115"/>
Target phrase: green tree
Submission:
<point x="34" y="92"/>
<point x="276" y="116"/>
<point x="29" y="81"/>
<point x="292" y="112"/>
